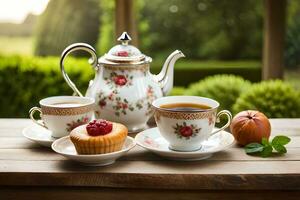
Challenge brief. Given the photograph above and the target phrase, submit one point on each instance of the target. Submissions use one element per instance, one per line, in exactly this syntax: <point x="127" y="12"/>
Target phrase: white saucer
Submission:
<point x="151" y="140"/>
<point x="65" y="147"/>
<point x="39" y="135"/>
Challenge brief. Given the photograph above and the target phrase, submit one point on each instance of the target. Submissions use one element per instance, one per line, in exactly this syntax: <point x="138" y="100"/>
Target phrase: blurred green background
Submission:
<point x="217" y="37"/>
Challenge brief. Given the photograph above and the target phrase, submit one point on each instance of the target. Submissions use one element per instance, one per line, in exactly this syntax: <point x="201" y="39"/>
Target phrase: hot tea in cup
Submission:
<point x="61" y="114"/>
<point x="186" y="121"/>
<point x="185" y="106"/>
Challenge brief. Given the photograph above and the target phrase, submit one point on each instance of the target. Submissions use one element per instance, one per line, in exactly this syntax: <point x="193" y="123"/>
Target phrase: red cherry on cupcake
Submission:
<point x="99" y="127"/>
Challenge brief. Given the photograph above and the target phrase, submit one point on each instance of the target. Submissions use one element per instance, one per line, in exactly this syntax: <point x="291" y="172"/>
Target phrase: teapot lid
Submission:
<point x="124" y="53"/>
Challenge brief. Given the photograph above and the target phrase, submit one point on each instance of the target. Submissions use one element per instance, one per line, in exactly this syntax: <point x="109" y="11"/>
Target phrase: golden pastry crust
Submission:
<point x="111" y="142"/>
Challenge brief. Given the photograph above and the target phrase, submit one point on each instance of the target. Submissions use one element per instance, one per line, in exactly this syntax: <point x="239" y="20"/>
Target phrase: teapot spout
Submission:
<point x="166" y="76"/>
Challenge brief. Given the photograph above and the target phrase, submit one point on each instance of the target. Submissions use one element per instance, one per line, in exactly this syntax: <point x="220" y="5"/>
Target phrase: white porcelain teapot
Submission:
<point x="123" y="87"/>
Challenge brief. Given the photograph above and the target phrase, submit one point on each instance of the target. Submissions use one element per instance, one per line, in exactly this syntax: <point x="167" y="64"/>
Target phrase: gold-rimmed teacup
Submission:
<point x="185" y="130"/>
<point x="61" y="114"/>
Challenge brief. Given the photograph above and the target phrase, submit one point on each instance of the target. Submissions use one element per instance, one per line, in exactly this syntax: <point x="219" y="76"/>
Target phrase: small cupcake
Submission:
<point x="99" y="137"/>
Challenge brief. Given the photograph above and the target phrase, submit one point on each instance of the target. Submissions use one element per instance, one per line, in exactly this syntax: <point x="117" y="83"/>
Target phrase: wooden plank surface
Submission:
<point x="79" y="193"/>
<point x="154" y="181"/>
<point x="23" y="162"/>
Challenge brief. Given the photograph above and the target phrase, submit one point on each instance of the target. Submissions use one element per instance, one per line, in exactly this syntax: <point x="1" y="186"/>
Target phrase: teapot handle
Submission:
<point x="72" y="48"/>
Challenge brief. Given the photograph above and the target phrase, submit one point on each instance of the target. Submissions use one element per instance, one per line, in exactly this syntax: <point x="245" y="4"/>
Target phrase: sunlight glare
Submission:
<point x="15" y="11"/>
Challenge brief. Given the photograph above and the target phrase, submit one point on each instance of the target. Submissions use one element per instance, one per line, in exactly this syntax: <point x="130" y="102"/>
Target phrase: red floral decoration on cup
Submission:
<point x="186" y="131"/>
<point x="78" y="122"/>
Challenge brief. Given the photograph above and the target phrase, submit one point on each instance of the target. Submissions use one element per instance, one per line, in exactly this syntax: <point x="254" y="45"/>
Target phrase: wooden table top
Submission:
<point x="23" y="162"/>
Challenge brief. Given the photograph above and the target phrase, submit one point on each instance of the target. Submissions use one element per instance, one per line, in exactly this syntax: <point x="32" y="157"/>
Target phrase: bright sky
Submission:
<point x="16" y="10"/>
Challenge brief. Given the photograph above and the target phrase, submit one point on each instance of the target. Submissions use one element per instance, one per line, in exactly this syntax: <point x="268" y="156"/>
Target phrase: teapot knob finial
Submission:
<point x="124" y="38"/>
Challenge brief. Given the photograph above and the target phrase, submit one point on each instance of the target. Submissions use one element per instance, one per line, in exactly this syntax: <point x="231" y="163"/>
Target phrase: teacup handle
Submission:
<point x="229" y="117"/>
<point x="31" y="113"/>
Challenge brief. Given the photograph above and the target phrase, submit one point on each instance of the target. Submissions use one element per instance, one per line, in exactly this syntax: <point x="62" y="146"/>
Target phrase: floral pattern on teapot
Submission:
<point x="122" y="106"/>
<point x="119" y="80"/>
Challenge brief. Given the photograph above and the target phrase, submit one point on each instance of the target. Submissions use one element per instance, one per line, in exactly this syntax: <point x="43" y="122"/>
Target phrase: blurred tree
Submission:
<point x="106" y="31"/>
<point x="65" y="22"/>
<point x="208" y="29"/>
<point x="292" y="51"/>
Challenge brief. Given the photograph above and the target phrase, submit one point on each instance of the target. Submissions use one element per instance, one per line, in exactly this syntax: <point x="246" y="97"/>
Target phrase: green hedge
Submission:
<point x="25" y="80"/>
<point x="274" y="98"/>
<point x="187" y="72"/>
<point x="222" y="88"/>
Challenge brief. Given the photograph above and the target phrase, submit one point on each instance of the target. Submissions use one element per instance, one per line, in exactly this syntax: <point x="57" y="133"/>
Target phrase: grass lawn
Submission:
<point x="16" y="45"/>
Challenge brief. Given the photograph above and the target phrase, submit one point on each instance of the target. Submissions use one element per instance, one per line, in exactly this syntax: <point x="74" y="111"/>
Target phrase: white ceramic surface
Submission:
<point x="63" y="119"/>
<point x="123" y="87"/>
<point x="39" y="135"/>
<point x="151" y="140"/>
<point x="65" y="147"/>
<point x="186" y="130"/>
